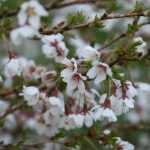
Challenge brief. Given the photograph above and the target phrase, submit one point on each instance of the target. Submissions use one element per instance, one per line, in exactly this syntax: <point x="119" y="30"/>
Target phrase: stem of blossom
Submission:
<point x="90" y="142"/>
<point x="109" y="87"/>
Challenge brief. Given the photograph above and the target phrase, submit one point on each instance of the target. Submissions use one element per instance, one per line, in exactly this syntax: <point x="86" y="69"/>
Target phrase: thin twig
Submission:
<point x="113" y="41"/>
<point x="119" y="37"/>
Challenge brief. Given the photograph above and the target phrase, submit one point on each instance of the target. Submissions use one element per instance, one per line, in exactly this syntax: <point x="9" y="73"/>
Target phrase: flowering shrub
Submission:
<point x="80" y="91"/>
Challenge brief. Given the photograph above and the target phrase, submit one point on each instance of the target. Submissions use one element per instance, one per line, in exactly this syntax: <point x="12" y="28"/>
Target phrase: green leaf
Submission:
<point x="132" y="28"/>
<point x="76" y="18"/>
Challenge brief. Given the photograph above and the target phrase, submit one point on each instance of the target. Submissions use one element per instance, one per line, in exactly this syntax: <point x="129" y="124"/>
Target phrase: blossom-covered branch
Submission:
<point x="76" y="97"/>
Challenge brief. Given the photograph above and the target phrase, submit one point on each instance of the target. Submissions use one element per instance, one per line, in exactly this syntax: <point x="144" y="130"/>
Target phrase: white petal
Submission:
<point x="88" y="120"/>
<point x="22" y="18"/>
<point x="92" y="73"/>
<point x="129" y="103"/>
<point x="99" y="79"/>
<point x="34" y="21"/>
<point x="16" y="37"/>
<point x="27" y="31"/>
<point x="40" y="10"/>
<point x="48" y="51"/>
<point x="81" y="86"/>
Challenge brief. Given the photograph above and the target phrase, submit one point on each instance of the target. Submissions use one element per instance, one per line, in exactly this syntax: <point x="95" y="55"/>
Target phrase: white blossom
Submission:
<point x="122" y="100"/>
<point x="106" y="132"/>
<point x="71" y="76"/>
<point x="99" y="72"/>
<point x="73" y="121"/>
<point x="13" y="68"/>
<point x="43" y="129"/>
<point x="31" y="95"/>
<point x="17" y="66"/>
<point x="70" y="68"/>
<point x="104" y="110"/>
<point x="74" y="81"/>
<point x="19" y="34"/>
<point x="30" y="13"/>
<point x="89" y="53"/>
<point x="56" y="105"/>
<point x="142" y="47"/>
<point x="54" y="47"/>
<point x="124" y="145"/>
<point x="102" y="113"/>
<point x="55" y="112"/>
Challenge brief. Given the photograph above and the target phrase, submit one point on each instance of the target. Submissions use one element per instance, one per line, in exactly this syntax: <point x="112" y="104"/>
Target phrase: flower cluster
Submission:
<point x="80" y="105"/>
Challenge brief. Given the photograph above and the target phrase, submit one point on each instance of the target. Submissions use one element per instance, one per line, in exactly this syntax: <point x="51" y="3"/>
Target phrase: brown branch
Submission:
<point x="58" y="29"/>
<point x="12" y="110"/>
<point x="5" y="94"/>
<point x="73" y="3"/>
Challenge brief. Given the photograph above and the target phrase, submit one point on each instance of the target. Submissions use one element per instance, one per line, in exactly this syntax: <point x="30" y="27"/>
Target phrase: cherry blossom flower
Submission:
<point x="71" y="76"/>
<point x="19" y="34"/>
<point x="55" y="112"/>
<point x="31" y="95"/>
<point x="16" y="66"/>
<point x="30" y="13"/>
<point x="142" y="47"/>
<point x="123" y="145"/>
<point x="43" y="129"/>
<point x="13" y="68"/>
<point x="89" y="53"/>
<point x="56" y="105"/>
<point x="54" y="115"/>
<point x="106" y="132"/>
<point x="73" y="121"/>
<point x="54" y="47"/>
<point x="70" y="68"/>
<point x="104" y="111"/>
<point x="51" y="119"/>
<point x="99" y="72"/>
<point x="75" y="81"/>
<point x="122" y="100"/>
